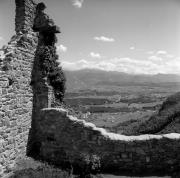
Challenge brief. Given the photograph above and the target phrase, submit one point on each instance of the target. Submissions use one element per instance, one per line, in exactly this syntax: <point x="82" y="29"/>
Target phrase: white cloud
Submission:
<point x="77" y="3"/>
<point x="161" y="52"/>
<point x="155" y="59"/>
<point x="104" y="39"/>
<point x="132" y="48"/>
<point x="1" y="38"/>
<point x="152" y="65"/>
<point x="81" y="64"/>
<point x="61" y="48"/>
<point x="95" y="55"/>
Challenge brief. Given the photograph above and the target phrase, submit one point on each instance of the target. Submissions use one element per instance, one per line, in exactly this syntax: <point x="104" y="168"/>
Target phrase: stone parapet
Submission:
<point x="67" y="141"/>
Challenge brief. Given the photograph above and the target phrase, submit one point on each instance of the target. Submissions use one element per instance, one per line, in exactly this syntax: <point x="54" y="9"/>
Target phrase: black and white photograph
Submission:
<point x="89" y="88"/>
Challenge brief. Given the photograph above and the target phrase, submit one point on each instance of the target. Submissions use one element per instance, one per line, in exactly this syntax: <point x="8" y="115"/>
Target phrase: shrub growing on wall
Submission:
<point x="51" y="68"/>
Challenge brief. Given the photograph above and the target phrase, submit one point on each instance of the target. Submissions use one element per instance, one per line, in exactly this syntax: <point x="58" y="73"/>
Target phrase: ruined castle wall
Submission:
<point x="62" y="139"/>
<point x="65" y="139"/>
<point x="15" y="91"/>
<point x="25" y="13"/>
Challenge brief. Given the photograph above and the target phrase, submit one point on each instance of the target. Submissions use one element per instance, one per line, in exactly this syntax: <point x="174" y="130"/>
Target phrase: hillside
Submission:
<point x="88" y="78"/>
<point x="166" y="120"/>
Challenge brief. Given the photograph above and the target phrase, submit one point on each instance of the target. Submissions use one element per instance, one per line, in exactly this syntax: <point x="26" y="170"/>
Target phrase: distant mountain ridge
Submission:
<point x="85" y="78"/>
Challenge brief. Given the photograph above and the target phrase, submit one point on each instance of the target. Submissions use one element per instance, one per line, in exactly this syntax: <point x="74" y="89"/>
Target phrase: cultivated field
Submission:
<point x="118" y="107"/>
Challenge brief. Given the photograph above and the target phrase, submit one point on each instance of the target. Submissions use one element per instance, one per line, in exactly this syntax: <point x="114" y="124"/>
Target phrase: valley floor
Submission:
<point x="118" y="108"/>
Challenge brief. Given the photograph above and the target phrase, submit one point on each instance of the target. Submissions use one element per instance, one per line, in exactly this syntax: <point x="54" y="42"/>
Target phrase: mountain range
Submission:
<point x="85" y="78"/>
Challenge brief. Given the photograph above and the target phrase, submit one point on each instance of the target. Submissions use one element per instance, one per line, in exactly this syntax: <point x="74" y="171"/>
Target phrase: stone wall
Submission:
<point x="48" y="79"/>
<point x="15" y="91"/>
<point x="58" y="138"/>
<point x="25" y="14"/>
<point x="66" y="141"/>
<point x="30" y="80"/>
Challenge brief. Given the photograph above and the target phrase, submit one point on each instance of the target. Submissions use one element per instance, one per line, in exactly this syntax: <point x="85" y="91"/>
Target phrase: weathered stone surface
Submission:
<point x="47" y="77"/>
<point x="25" y="12"/>
<point x="15" y="91"/>
<point x="57" y="137"/>
<point x="66" y="141"/>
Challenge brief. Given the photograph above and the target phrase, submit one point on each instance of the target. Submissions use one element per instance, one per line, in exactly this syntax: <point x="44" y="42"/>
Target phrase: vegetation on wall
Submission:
<point x="48" y="60"/>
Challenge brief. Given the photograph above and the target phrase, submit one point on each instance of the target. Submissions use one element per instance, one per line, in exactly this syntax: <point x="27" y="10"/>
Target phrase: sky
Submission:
<point x="133" y="36"/>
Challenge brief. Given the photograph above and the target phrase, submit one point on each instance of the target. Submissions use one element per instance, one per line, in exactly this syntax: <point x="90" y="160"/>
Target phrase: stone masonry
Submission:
<point x="51" y="134"/>
<point x="66" y="141"/>
<point x="28" y="68"/>
<point x="16" y="94"/>
<point x="47" y="76"/>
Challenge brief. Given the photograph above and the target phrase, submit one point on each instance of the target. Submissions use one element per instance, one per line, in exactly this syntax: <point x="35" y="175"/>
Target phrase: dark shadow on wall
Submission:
<point x="29" y="168"/>
<point x="47" y="79"/>
<point x="39" y="95"/>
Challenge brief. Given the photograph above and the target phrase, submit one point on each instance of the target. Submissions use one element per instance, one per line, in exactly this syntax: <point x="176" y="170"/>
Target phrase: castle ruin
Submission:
<point x="31" y="84"/>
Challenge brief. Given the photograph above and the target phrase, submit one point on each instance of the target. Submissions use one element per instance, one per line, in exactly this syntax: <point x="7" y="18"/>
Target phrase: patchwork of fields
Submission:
<point x="118" y="108"/>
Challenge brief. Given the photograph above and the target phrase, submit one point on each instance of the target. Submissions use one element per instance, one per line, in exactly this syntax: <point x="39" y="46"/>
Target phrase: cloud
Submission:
<point x="155" y="59"/>
<point x="77" y="3"/>
<point x="132" y="48"/>
<point x="116" y="64"/>
<point x="152" y="65"/>
<point x="1" y="38"/>
<point x="104" y="39"/>
<point x="81" y="64"/>
<point x="161" y="52"/>
<point x="61" y="48"/>
<point x="95" y="55"/>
